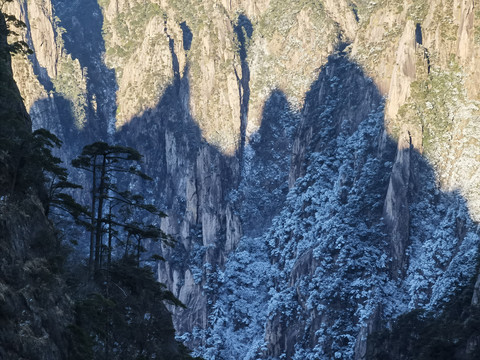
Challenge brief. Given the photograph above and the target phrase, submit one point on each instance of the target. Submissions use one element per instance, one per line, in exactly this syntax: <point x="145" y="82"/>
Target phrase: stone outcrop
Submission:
<point x="35" y="309"/>
<point x="396" y="208"/>
<point x="191" y="85"/>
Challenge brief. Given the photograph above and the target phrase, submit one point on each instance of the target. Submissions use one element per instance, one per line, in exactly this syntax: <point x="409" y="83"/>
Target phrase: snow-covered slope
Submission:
<point x="305" y="219"/>
<point x="327" y="272"/>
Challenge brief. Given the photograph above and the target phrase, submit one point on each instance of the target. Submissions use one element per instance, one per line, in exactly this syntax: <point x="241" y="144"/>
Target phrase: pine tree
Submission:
<point x="13" y="24"/>
<point x="106" y="162"/>
<point x="54" y="176"/>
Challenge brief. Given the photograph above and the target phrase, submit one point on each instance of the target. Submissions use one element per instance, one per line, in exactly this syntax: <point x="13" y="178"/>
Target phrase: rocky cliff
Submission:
<point x="49" y="310"/>
<point x="34" y="309"/>
<point x="318" y="160"/>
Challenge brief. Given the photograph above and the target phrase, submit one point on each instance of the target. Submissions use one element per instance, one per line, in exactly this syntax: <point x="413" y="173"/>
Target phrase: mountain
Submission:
<point x="49" y="309"/>
<point x="32" y="318"/>
<point x="318" y="160"/>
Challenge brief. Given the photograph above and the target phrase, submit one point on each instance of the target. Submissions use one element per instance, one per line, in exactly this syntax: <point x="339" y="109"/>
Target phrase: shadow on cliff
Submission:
<point x="83" y="22"/>
<point x="83" y="40"/>
<point x="151" y="131"/>
<point x="325" y="126"/>
<point x="194" y="180"/>
<point x="267" y="158"/>
<point x="184" y="165"/>
<point x="356" y="193"/>
<point x="244" y="31"/>
<point x="359" y="213"/>
<point x="191" y="181"/>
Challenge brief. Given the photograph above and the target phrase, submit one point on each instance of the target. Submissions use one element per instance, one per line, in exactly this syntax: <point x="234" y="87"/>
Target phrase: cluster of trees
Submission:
<point x="115" y="212"/>
<point x="14" y="130"/>
<point x="119" y="314"/>
<point x="114" y="215"/>
<point x="12" y="25"/>
<point x="451" y="332"/>
<point x="119" y="310"/>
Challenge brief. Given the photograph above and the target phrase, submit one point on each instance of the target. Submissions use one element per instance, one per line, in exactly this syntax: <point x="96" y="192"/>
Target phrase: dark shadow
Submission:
<point x="418" y="34"/>
<point x="355" y="11"/>
<point x="264" y="182"/>
<point x="357" y="91"/>
<point x="244" y="30"/>
<point x="83" y="39"/>
<point x="190" y="172"/>
<point x="171" y="45"/>
<point x="355" y="197"/>
<point x="175" y="156"/>
<point x="187" y="36"/>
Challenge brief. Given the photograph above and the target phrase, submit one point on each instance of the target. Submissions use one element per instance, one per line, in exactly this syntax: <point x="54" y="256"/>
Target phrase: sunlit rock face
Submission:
<point x="319" y="161"/>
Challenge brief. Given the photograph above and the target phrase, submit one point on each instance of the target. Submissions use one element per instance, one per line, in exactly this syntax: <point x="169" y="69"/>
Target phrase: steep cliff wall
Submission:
<point x="33" y="306"/>
<point x="237" y="103"/>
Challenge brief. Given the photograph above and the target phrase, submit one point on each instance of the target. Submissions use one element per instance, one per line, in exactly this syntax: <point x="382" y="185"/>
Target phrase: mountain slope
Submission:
<point x="45" y="306"/>
<point x="236" y="104"/>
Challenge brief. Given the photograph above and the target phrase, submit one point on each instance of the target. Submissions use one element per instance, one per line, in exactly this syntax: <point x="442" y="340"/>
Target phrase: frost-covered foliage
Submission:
<point x="310" y="285"/>
<point x="331" y="245"/>
<point x="266" y="163"/>
<point x="444" y="246"/>
<point x="238" y="316"/>
<point x="237" y="319"/>
<point x="330" y="242"/>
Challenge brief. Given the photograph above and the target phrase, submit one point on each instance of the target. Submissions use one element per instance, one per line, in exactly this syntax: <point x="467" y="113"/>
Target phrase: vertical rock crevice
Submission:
<point x="244" y="31"/>
<point x="171" y="45"/>
<point x="396" y="205"/>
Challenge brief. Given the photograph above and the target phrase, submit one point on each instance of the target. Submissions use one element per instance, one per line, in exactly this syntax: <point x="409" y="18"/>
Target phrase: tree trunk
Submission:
<point x="101" y="198"/>
<point x="110" y="236"/>
<point x="92" y="216"/>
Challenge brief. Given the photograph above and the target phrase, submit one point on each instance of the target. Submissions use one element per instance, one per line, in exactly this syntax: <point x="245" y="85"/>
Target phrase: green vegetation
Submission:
<point x="372" y="54"/>
<point x="281" y="16"/>
<point x="27" y="163"/>
<point x="120" y="313"/>
<point x="71" y="85"/>
<point x="48" y="308"/>
<point x="124" y="35"/>
<point x="365" y="8"/>
<point x="70" y="81"/>
<point x="418" y="11"/>
<point x="129" y="29"/>
<point x="105" y="162"/>
<point x="477" y="26"/>
<point x="10" y="27"/>
<point x="119" y="317"/>
<point x="193" y="13"/>
<point x="54" y="176"/>
<point x="103" y="3"/>
<point x="446" y="22"/>
<point x="281" y="68"/>
<point x="432" y="100"/>
<point x="14" y="123"/>
<point x="125" y="318"/>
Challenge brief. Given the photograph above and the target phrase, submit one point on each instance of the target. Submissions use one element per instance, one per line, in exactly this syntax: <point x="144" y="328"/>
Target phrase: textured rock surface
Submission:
<point x="34" y="308"/>
<point x="229" y="100"/>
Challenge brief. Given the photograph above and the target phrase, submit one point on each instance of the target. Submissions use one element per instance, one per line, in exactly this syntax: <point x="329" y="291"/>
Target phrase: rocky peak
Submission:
<point x="286" y="143"/>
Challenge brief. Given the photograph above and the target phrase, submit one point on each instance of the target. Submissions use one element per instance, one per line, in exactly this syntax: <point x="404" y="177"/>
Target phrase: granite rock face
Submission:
<point x="35" y="311"/>
<point x="318" y="160"/>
